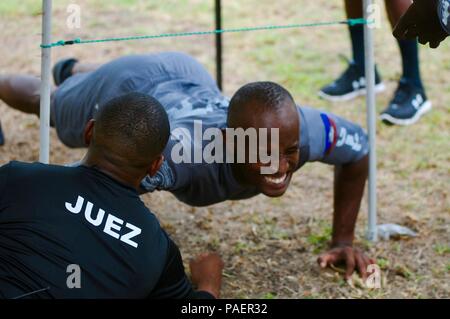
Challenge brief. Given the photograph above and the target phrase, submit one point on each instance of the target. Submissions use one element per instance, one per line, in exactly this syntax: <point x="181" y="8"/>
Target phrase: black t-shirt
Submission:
<point x="57" y="220"/>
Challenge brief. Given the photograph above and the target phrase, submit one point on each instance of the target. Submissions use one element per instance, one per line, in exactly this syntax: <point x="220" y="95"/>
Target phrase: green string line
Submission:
<point x="350" y="22"/>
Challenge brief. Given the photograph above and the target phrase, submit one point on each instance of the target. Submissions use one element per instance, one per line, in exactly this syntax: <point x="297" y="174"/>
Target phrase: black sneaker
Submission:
<point x="351" y="84"/>
<point x="62" y="70"/>
<point x="407" y="106"/>
<point x="2" y="139"/>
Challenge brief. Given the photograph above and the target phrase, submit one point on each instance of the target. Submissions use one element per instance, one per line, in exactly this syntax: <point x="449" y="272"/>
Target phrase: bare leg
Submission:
<point x="408" y="48"/>
<point x="354" y="9"/>
<point x="395" y="9"/>
<point x="21" y="92"/>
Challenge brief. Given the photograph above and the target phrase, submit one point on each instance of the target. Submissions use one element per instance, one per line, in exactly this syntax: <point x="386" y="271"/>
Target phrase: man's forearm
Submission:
<point x="349" y="183"/>
<point x="201" y="294"/>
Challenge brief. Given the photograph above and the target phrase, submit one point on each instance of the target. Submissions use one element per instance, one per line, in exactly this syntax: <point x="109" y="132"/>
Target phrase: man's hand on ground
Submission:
<point x="421" y="21"/>
<point x="206" y="273"/>
<point x="353" y="258"/>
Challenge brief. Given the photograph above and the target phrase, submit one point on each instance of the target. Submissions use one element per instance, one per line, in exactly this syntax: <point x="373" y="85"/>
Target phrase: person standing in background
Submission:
<point x="410" y="101"/>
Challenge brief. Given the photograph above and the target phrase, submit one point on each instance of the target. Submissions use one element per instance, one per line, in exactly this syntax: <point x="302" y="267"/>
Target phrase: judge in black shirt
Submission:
<point x="83" y="232"/>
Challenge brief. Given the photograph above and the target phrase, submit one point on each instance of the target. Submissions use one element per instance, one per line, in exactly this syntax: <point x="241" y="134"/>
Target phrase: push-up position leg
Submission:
<point x="65" y="68"/>
<point x="21" y="92"/>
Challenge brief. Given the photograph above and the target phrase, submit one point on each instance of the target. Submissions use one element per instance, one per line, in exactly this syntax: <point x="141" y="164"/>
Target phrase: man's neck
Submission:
<point x="110" y="169"/>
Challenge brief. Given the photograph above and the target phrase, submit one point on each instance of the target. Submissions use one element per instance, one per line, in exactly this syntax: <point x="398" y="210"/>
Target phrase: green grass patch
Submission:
<point x="269" y="295"/>
<point x="321" y="239"/>
<point x="383" y="263"/>
<point x="20" y="8"/>
<point x="442" y="249"/>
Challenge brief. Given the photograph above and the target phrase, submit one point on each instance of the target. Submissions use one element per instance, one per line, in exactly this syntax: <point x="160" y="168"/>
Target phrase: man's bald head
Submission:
<point x="257" y="98"/>
<point x="269" y="106"/>
<point x="131" y="130"/>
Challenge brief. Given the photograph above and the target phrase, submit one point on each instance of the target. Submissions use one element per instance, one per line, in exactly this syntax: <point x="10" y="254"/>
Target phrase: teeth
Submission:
<point x="276" y="180"/>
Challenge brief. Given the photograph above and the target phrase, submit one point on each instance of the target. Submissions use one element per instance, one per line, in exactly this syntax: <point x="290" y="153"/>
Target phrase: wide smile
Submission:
<point x="276" y="181"/>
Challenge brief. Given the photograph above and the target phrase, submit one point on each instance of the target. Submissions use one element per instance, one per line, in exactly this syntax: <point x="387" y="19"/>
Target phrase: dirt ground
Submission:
<point x="270" y="246"/>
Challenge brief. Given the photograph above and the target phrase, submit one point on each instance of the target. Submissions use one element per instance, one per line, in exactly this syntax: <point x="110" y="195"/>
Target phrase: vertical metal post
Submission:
<point x="218" y="9"/>
<point x="44" y="150"/>
<point x="371" y="121"/>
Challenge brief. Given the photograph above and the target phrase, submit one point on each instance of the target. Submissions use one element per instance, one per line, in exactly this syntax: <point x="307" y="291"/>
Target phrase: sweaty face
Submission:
<point x="275" y="183"/>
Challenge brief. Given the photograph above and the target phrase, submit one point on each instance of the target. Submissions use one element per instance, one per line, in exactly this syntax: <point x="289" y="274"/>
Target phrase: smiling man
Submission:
<point x="289" y="135"/>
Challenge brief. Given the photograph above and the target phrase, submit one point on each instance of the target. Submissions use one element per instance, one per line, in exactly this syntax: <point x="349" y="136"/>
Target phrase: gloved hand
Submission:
<point x="421" y="21"/>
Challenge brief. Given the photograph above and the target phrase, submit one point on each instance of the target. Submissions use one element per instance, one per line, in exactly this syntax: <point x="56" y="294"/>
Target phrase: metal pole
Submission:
<point x="44" y="150"/>
<point x="371" y="122"/>
<point x="218" y="10"/>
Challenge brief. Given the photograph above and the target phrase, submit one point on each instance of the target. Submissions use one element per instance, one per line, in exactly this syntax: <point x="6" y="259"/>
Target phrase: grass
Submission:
<point x="13" y="8"/>
<point x="320" y="240"/>
<point x="383" y="263"/>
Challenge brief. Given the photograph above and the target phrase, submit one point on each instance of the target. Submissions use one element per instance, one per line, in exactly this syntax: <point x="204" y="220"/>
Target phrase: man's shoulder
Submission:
<point x="19" y="171"/>
<point x="147" y="213"/>
<point x="17" y="166"/>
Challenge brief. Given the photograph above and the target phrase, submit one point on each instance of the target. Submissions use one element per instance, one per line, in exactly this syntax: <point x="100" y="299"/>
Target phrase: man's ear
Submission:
<point x="89" y="132"/>
<point x="155" y="165"/>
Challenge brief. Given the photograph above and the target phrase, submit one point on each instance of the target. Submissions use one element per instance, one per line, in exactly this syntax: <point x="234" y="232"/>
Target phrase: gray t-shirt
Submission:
<point x="189" y="94"/>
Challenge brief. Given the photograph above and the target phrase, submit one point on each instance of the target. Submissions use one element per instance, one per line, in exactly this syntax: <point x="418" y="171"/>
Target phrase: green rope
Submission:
<point x="350" y="22"/>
